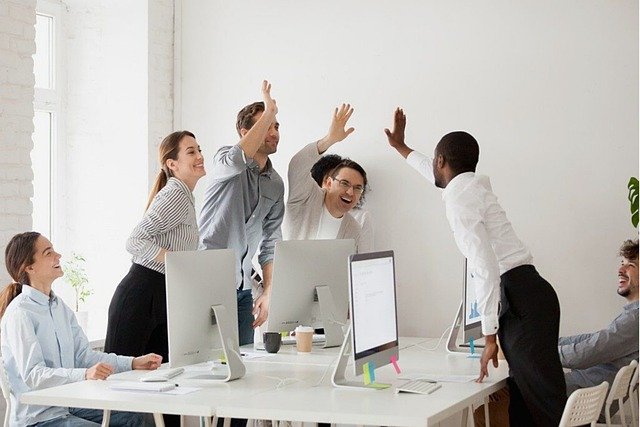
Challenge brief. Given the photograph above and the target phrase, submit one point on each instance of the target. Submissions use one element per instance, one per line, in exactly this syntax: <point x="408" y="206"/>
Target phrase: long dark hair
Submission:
<point x="169" y="149"/>
<point x="18" y="255"/>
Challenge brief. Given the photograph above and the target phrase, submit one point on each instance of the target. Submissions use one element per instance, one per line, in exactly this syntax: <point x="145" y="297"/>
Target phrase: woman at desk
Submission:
<point x="43" y="345"/>
<point x="138" y="310"/>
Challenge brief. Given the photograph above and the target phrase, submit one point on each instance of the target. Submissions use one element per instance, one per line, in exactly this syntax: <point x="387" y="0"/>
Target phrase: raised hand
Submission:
<point x="396" y="138"/>
<point x="337" y="129"/>
<point x="99" y="371"/>
<point x="148" y="362"/>
<point x="270" y="106"/>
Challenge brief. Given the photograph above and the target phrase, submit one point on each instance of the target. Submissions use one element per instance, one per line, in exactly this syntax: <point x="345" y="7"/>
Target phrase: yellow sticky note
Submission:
<point x="367" y="374"/>
<point x="378" y="386"/>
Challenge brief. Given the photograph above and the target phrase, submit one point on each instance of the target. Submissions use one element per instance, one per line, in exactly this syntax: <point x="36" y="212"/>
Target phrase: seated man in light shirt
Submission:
<point x="529" y="316"/>
<point x="597" y="356"/>
<point x="314" y="212"/>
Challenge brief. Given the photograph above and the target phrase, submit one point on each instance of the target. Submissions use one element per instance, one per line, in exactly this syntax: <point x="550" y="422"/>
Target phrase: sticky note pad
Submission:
<point x="394" y="362"/>
<point x="367" y="371"/>
<point x="378" y="386"/>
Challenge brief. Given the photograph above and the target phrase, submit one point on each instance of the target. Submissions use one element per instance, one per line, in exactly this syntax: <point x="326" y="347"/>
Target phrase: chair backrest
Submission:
<point x="633" y="397"/>
<point x="619" y="390"/>
<point x="6" y="392"/>
<point x="584" y="406"/>
<point x="620" y="385"/>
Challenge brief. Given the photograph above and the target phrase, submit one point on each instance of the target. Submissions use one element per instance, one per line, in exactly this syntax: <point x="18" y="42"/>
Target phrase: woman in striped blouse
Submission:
<point x="137" y="313"/>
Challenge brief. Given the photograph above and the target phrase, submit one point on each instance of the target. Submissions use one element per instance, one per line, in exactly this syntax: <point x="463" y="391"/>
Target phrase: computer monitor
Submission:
<point x="306" y="271"/>
<point x="202" y="312"/>
<point x="472" y="320"/>
<point x="468" y="318"/>
<point x="373" y="334"/>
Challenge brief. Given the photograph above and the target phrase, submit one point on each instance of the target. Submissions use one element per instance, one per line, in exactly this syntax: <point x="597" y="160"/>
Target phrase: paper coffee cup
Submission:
<point x="304" y="339"/>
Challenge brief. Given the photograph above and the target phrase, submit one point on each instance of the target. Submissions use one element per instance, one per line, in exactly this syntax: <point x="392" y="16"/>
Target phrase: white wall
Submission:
<point x="549" y="89"/>
<point x="119" y="64"/>
<point x="17" y="44"/>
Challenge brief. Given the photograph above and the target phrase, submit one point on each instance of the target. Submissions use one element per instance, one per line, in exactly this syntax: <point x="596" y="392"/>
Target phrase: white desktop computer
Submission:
<point x="373" y="335"/>
<point x="468" y="319"/>
<point x="306" y="274"/>
<point x="202" y="312"/>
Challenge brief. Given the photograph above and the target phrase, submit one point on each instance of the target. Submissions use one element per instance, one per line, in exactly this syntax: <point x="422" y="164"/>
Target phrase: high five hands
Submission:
<point x="337" y="129"/>
<point x="270" y="106"/>
<point x="396" y="137"/>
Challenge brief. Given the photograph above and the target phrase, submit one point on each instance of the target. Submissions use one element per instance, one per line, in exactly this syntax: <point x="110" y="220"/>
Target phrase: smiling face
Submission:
<point x="188" y="167"/>
<point x="343" y="191"/>
<point x="46" y="264"/>
<point x="628" y="279"/>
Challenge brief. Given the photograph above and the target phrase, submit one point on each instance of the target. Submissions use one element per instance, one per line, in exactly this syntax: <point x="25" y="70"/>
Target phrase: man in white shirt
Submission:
<point x="529" y="311"/>
<point x="325" y="212"/>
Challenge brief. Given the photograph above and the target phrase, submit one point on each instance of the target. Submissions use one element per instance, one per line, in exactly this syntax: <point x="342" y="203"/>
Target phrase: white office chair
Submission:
<point x="633" y="397"/>
<point x="619" y="390"/>
<point x="6" y="393"/>
<point x="584" y="406"/>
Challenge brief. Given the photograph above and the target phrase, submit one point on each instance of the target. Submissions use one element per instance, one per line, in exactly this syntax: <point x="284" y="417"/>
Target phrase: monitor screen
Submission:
<point x="373" y="308"/>
<point x="300" y="266"/>
<point x="472" y="319"/>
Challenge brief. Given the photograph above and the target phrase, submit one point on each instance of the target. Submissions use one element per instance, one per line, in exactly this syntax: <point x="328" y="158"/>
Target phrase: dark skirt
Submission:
<point x="138" y="315"/>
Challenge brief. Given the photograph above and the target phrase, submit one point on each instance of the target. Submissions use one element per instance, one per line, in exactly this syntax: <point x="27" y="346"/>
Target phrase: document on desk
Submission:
<point x="439" y="378"/>
<point x="156" y="387"/>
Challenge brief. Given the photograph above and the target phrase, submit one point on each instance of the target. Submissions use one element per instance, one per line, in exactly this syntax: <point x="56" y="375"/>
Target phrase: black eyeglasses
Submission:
<point x="357" y="189"/>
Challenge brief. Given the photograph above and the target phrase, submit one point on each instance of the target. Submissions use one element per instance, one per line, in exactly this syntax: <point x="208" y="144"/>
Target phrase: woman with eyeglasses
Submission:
<point x="323" y="212"/>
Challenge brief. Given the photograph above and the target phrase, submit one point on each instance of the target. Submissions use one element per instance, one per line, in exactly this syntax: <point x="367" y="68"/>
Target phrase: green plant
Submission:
<point x="633" y="199"/>
<point x="76" y="276"/>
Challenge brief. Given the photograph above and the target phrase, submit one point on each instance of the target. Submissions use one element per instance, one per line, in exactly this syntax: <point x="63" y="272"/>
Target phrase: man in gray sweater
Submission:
<point x="597" y="356"/>
<point x="323" y="212"/>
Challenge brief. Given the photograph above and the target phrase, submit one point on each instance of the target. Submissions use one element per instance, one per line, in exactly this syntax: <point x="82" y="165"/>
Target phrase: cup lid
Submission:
<point x="304" y="329"/>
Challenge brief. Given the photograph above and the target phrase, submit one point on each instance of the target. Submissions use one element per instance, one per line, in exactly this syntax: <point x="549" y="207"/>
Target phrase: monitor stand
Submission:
<point x="230" y="349"/>
<point x="339" y="378"/>
<point x="333" y="332"/>
<point x="452" y="344"/>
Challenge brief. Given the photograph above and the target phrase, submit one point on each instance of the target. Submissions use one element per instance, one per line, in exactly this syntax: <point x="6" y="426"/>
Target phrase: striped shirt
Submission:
<point x="169" y="223"/>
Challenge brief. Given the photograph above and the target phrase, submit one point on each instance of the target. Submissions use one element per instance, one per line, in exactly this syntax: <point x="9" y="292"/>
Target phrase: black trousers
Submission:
<point x="529" y="327"/>
<point x="138" y="319"/>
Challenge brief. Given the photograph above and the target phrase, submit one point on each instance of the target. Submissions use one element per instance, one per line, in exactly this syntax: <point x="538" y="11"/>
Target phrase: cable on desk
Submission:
<point x="436" y="346"/>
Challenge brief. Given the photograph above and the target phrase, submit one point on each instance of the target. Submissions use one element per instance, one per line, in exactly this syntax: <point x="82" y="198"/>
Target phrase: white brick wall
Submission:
<point x="161" y="41"/>
<point x="17" y="45"/>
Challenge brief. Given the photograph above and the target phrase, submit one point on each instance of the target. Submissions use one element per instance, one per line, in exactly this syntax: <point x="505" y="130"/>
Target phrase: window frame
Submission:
<point x="51" y="101"/>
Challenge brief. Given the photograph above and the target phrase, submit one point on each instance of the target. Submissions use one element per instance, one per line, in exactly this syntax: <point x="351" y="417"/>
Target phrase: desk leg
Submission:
<point x="106" y="417"/>
<point x="465" y="419"/>
<point x="486" y="411"/>
<point x="158" y="420"/>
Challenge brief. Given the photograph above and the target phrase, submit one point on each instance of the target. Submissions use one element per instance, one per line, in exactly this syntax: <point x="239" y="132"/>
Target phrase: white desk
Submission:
<point x="287" y="386"/>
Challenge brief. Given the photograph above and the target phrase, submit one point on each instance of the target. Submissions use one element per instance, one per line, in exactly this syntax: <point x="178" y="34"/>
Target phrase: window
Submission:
<point x="47" y="108"/>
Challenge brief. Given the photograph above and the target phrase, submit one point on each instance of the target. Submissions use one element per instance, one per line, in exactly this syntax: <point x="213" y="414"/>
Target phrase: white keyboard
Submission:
<point x="418" y="386"/>
<point x="160" y="375"/>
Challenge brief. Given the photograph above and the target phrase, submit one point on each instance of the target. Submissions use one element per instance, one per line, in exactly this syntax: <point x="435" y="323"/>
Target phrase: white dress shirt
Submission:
<point x="42" y="347"/>
<point x="483" y="234"/>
